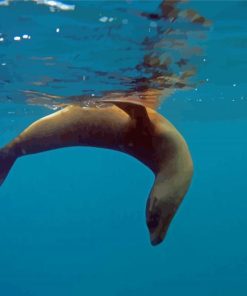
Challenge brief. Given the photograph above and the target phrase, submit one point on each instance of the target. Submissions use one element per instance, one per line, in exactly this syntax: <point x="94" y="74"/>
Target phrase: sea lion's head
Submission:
<point x="163" y="202"/>
<point x="158" y="217"/>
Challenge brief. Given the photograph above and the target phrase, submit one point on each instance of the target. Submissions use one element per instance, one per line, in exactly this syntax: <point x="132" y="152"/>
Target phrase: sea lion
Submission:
<point x="124" y="125"/>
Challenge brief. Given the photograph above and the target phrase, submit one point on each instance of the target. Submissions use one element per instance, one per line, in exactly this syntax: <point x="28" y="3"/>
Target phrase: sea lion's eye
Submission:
<point x="153" y="220"/>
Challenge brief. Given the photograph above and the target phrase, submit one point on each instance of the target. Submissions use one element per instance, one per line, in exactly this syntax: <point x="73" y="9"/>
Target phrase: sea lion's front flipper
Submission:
<point x="135" y="109"/>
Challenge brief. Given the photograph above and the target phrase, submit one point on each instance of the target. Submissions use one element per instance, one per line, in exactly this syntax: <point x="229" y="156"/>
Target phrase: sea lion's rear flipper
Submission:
<point x="135" y="109"/>
<point x="6" y="163"/>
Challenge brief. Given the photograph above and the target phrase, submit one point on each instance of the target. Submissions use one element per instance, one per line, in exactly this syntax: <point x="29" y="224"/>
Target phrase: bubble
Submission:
<point x="25" y="36"/>
<point x="103" y="19"/>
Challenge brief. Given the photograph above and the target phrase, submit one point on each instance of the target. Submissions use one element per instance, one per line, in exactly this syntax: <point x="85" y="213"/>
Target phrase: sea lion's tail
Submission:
<point x="6" y="163"/>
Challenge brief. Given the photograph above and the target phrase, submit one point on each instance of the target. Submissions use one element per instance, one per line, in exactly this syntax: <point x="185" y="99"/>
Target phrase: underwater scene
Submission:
<point x="148" y="86"/>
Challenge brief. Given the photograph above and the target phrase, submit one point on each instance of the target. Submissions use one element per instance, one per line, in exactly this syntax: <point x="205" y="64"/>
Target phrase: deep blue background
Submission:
<point x="72" y="221"/>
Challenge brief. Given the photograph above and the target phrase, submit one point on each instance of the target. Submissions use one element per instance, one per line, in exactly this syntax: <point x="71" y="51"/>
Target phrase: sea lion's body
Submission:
<point x="124" y="126"/>
<point x="106" y="127"/>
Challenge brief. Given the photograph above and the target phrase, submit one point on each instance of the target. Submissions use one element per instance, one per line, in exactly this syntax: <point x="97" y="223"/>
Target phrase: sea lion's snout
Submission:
<point x="153" y="222"/>
<point x="155" y="239"/>
<point x="158" y="234"/>
<point x="158" y="217"/>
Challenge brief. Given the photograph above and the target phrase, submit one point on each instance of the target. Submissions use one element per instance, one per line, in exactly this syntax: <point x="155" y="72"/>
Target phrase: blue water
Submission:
<point x="72" y="221"/>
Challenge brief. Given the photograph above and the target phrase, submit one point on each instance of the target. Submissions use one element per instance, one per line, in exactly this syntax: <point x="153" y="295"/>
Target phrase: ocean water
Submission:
<point x="72" y="221"/>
